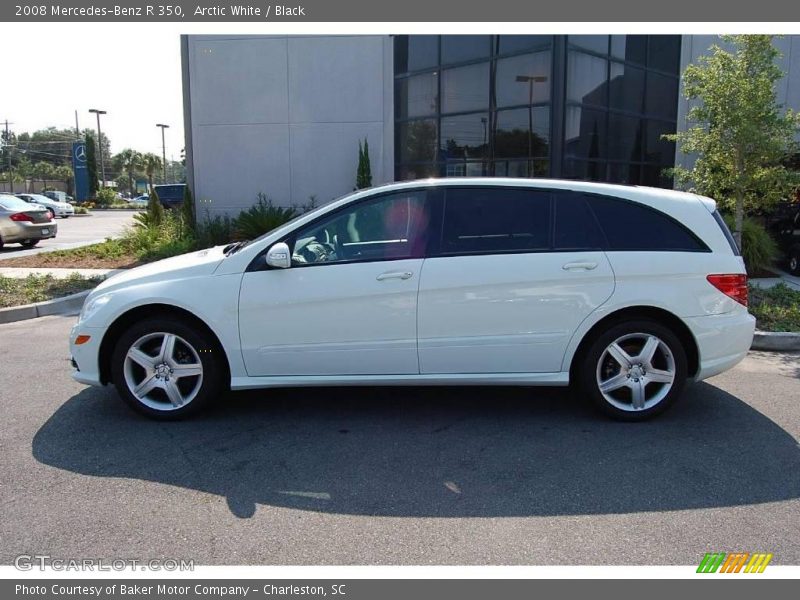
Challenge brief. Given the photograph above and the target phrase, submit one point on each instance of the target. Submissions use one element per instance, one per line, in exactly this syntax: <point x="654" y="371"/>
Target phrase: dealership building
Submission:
<point x="284" y="115"/>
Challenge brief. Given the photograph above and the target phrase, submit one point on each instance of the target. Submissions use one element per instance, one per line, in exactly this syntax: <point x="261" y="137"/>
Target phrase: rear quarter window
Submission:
<point x="632" y="226"/>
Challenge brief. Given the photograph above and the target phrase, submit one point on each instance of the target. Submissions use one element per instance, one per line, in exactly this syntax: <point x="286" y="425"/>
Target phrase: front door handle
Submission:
<point x="395" y="275"/>
<point x="580" y="266"/>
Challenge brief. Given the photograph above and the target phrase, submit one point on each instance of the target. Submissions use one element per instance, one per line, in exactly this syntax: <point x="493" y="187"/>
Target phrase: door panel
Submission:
<point x="335" y="319"/>
<point x="506" y="313"/>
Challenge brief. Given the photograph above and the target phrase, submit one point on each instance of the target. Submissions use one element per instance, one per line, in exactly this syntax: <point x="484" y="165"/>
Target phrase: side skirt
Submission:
<point x="533" y="379"/>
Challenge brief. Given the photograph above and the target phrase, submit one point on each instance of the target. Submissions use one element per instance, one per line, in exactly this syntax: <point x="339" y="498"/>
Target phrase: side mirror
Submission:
<point x="278" y="256"/>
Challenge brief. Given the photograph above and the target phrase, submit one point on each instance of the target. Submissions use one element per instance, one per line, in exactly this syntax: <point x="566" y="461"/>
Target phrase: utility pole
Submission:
<point x="77" y="128"/>
<point x="8" y="156"/>
<point x="163" y="151"/>
<point x="100" y="145"/>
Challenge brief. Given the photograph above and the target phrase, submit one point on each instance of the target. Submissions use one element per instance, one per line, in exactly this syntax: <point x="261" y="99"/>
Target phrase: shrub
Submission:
<point x="213" y="232"/>
<point x="776" y="308"/>
<point x="81" y="210"/>
<point x="105" y="197"/>
<point x="149" y="240"/>
<point x="155" y="211"/>
<point x="759" y="250"/>
<point x="187" y="210"/>
<point x="262" y="217"/>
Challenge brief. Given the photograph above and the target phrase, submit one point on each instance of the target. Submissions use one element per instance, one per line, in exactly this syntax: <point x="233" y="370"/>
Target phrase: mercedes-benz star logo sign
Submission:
<point x="80" y="153"/>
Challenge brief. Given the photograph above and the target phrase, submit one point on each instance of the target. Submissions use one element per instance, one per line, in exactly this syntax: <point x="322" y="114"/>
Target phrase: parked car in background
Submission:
<point x="786" y="229"/>
<point x="139" y="201"/>
<point x="170" y="195"/>
<point x="23" y="222"/>
<point x="59" y="196"/>
<point x="56" y="208"/>
<point x="624" y="292"/>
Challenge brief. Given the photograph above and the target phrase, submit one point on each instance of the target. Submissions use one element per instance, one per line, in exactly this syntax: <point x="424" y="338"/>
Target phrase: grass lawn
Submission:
<point x="37" y="288"/>
<point x="775" y="309"/>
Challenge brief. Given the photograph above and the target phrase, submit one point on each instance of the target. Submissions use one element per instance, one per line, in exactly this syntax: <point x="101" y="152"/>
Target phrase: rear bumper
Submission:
<point x="722" y="340"/>
<point x="24" y="230"/>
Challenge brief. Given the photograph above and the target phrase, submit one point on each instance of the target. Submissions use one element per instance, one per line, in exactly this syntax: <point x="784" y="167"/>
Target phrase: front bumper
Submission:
<point x="722" y="340"/>
<point x="85" y="357"/>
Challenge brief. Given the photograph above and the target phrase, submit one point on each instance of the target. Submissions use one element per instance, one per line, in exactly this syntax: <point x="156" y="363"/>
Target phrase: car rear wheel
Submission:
<point x="166" y="369"/>
<point x="794" y="262"/>
<point x="30" y="243"/>
<point x="634" y="370"/>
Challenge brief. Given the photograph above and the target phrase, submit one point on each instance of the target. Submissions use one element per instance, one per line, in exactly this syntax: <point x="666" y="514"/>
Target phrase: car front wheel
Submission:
<point x="634" y="370"/>
<point x="166" y="369"/>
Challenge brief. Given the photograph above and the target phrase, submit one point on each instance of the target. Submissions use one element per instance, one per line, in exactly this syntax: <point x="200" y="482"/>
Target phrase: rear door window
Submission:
<point x="495" y="220"/>
<point x="575" y="225"/>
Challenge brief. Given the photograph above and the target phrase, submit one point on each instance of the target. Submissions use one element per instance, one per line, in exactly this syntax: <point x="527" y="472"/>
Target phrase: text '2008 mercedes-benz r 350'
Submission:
<point x="625" y="293"/>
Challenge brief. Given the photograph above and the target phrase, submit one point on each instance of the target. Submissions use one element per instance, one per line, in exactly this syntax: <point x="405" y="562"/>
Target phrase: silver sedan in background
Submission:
<point x="24" y="223"/>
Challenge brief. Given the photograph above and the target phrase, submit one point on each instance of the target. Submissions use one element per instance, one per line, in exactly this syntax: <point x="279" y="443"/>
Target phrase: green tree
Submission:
<point x="152" y="165"/>
<point x="91" y="163"/>
<point x="187" y="210"/>
<point x="65" y="174"/>
<point x="43" y="171"/>
<point x="155" y="212"/>
<point x="364" y="172"/>
<point x="128" y="161"/>
<point x="737" y="129"/>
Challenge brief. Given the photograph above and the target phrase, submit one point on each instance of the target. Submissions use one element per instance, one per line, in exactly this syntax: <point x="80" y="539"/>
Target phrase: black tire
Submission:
<point x="793" y="264"/>
<point x="591" y="370"/>
<point x="30" y="243"/>
<point x="65" y="217"/>
<point x="190" y="339"/>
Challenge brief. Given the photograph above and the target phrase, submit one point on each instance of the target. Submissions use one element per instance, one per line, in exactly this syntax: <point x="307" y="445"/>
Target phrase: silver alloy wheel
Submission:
<point x="793" y="264"/>
<point x="636" y="372"/>
<point x="163" y="371"/>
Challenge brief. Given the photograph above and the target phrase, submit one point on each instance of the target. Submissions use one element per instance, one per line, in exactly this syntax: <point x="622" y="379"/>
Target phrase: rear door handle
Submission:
<point x="395" y="275"/>
<point x="580" y="266"/>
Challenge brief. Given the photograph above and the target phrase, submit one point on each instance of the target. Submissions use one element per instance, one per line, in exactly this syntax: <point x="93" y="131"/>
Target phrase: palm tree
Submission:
<point x="64" y="173"/>
<point x="130" y="162"/>
<point x="152" y="165"/>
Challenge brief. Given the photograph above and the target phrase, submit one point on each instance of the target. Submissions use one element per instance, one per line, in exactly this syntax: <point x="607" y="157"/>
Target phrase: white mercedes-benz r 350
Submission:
<point x="624" y="292"/>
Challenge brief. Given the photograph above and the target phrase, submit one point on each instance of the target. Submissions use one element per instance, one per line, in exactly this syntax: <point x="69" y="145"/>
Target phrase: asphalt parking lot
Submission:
<point x="77" y="231"/>
<point x="395" y="476"/>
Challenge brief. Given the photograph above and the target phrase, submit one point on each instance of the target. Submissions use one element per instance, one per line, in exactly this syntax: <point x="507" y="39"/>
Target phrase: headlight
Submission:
<point x="92" y="306"/>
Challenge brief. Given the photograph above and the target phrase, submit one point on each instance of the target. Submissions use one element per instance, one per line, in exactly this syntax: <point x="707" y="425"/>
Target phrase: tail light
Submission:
<point x="21" y="217"/>
<point x="734" y="286"/>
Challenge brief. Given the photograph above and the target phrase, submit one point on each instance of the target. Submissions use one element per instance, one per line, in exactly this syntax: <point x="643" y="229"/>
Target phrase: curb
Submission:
<point x="776" y="341"/>
<point x="58" y="306"/>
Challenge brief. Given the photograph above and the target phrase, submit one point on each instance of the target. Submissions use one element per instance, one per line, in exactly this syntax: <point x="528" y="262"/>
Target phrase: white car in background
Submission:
<point x="624" y="292"/>
<point x="56" y="208"/>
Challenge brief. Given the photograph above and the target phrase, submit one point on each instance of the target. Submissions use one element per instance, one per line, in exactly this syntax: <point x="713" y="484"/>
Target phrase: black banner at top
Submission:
<point x="254" y="11"/>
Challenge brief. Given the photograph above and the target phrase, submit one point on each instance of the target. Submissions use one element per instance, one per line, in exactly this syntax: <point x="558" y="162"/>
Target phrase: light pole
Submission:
<point x="163" y="151"/>
<point x="530" y="80"/>
<point x="100" y="145"/>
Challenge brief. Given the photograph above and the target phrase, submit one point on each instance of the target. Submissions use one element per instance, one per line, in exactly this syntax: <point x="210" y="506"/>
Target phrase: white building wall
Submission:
<point x="788" y="89"/>
<point x="283" y="115"/>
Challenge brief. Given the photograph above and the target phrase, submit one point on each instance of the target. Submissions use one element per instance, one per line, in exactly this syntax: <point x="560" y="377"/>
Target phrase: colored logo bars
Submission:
<point x="734" y="563"/>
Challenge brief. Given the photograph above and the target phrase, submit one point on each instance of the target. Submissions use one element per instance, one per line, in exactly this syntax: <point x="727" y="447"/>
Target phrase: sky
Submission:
<point x="135" y="77"/>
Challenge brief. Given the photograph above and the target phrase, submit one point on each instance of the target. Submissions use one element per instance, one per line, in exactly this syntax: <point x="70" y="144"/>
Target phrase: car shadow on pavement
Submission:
<point x="435" y="452"/>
